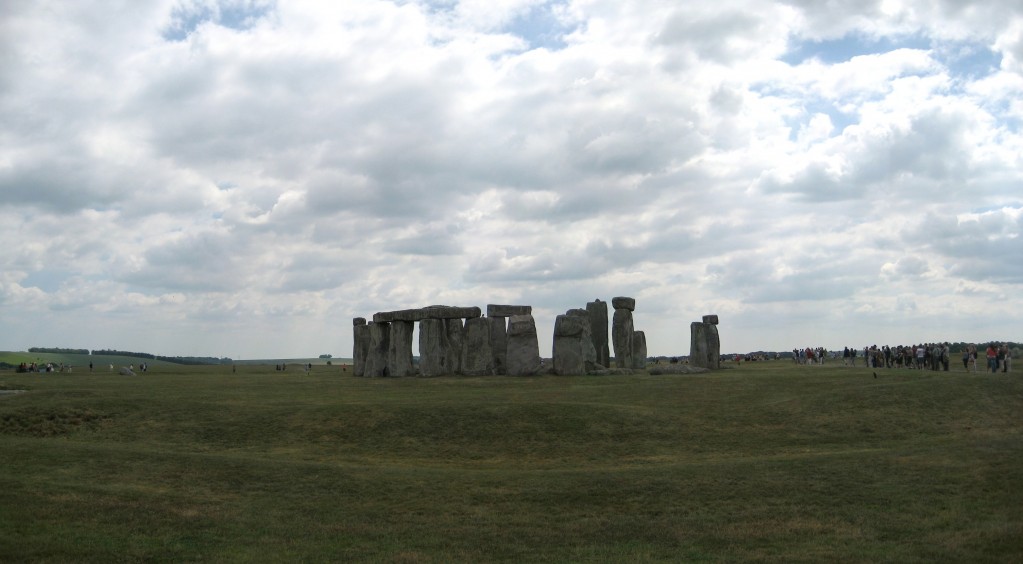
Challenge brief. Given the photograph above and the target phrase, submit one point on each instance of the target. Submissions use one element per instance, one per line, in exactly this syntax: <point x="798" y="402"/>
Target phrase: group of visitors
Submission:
<point x="48" y="367"/>
<point x="928" y="356"/>
<point x="809" y="355"/>
<point x="999" y="358"/>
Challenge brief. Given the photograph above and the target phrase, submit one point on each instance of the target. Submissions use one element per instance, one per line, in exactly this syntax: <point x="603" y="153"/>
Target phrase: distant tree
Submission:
<point x="326" y="356"/>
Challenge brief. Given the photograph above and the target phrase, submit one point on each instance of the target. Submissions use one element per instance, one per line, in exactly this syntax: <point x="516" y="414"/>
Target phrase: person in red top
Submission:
<point x="992" y="358"/>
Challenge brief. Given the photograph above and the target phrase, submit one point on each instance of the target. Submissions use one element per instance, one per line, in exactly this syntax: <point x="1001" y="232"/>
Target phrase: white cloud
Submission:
<point x="246" y="175"/>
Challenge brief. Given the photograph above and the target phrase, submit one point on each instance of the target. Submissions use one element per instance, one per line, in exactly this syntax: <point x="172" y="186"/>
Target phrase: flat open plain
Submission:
<point x="766" y="462"/>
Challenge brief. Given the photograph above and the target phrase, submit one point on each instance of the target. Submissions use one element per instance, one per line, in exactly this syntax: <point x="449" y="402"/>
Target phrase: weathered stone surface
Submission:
<point x="621" y="337"/>
<point x="125" y="371"/>
<point x="358" y="321"/>
<point x="569" y="353"/>
<point x="589" y="352"/>
<point x="523" y="348"/>
<point x="399" y="350"/>
<point x="433" y="348"/>
<point x="698" y="345"/>
<point x="379" y="343"/>
<point x="477" y="358"/>
<point x="712" y="319"/>
<point x="456" y="338"/>
<point x="495" y="310"/>
<point x="638" y="350"/>
<point x="713" y="347"/>
<point x="598" y="330"/>
<point x="571" y="326"/>
<point x="360" y="350"/>
<point x="432" y="312"/>
<point x="499" y="342"/>
<point x="623" y="303"/>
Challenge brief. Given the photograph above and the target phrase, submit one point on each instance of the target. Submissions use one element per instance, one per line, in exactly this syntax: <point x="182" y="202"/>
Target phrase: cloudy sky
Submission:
<point x="241" y="178"/>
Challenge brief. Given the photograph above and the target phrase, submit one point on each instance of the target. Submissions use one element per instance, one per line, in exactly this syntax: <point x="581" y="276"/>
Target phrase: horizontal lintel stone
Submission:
<point x="433" y="312"/>
<point x="624" y="303"/>
<point x="494" y="310"/>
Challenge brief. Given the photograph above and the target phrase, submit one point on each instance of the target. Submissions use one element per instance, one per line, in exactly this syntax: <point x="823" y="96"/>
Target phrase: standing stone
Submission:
<point x="639" y="350"/>
<point x="433" y="348"/>
<point x="711" y="319"/>
<point x="598" y="330"/>
<point x="589" y="351"/>
<point x="713" y="346"/>
<point x="499" y="343"/>
<point x="477" y="358"/>
<point x="379" y="343"/>
<point x="456" y="338"/>
<point x="399" y="352"/>
<point x="621" y="337"/>
<point x="361" y="349"/>
<point x="569" y="352"/>
<point x="698" y="345"/>
<point x="523" y="348"/>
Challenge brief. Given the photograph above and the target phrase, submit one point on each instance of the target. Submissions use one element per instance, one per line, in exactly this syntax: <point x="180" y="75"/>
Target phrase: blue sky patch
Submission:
<point x="233" y="15"/>
<point x="541" y="27"/>
<point x="833" y="51"/>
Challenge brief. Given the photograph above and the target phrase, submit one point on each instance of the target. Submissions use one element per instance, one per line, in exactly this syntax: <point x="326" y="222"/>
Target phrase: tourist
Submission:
<point x="992" y="358"/>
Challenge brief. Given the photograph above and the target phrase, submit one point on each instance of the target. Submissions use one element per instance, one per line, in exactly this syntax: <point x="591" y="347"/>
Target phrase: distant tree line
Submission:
<point x="57" y="350"/>
<point x="194" y="360"/>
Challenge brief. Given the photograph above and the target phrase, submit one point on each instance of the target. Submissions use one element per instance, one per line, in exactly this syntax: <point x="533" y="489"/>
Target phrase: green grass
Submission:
<point x="769" y="462"/>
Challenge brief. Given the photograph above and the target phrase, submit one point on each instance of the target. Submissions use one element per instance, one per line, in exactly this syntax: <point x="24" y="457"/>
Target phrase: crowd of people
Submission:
<point x="48" y="367"/>
<point x="923" y="356"/>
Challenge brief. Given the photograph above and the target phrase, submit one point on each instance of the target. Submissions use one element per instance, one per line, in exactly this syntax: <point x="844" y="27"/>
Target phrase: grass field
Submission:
<point x="767" y="462"/>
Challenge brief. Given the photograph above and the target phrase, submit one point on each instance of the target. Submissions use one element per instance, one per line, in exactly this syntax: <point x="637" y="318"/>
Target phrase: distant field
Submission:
<point x="769" y="462"/>
<point x="104" y="361"/>
<point x="78" y="361"/>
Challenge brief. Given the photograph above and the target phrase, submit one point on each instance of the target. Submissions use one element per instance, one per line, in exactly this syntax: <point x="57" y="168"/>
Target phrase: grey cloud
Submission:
<point x="205" y="261"/>
<point x="982" y="249"/>
<point x="704" y="35"/>
<point x="931" y="157"/>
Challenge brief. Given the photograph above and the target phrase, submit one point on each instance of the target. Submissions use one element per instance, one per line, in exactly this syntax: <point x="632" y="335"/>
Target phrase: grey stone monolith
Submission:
<point x="638" y="350"/>
<point x="598" y="330"/>
<point x="711" y="319"/>
<point x="569" y="352"/>
<point x="477" y="358"/>
<point x="713" y="347"/>
<point x="360" y="350"/>
<point x="499" y="343"/>
<point x="399" y="350"/>
<point x="589" y="351"/>
<point x="456" y="338"/>
<point x="698" y="354"/>
<point x="621" y="337"/>
<point x="379" y="343"/>
<point x="523" y="348"/>
<point x="433" y="348"/>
